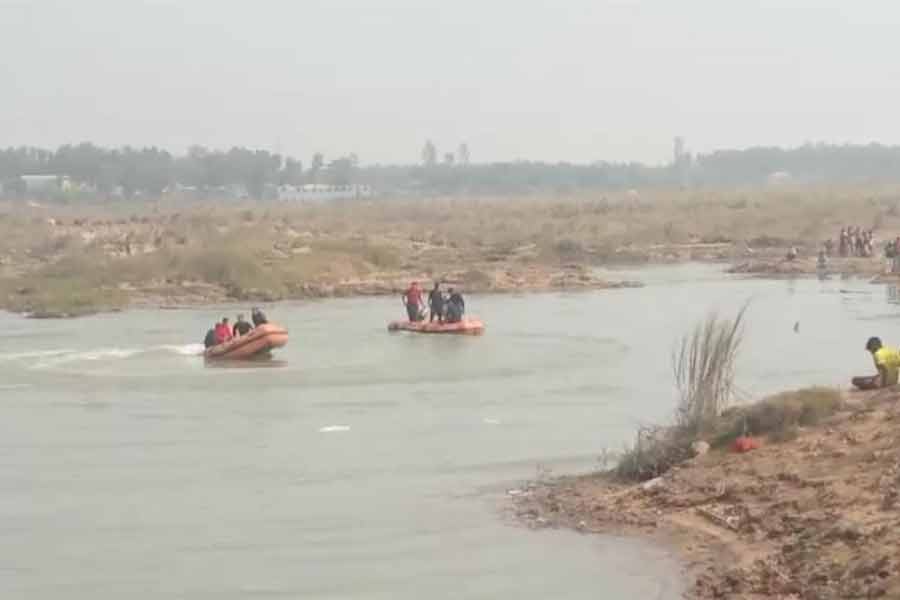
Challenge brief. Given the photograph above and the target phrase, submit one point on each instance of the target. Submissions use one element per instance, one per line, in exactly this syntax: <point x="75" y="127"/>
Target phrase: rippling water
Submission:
<point x="363" y="464"/>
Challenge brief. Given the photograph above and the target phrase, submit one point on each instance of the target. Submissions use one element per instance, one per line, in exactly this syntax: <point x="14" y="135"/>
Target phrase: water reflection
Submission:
<point x="893" y="297"/>
<point x="791" y="285"/>
<point x="247" y="363"/>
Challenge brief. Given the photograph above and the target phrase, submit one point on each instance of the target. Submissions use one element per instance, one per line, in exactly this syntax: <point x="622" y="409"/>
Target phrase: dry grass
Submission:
<point x="73" y="286"/>
<point x="278" y="248"/>
<point x="779" y="418"/>
<point x="560" y="226"/>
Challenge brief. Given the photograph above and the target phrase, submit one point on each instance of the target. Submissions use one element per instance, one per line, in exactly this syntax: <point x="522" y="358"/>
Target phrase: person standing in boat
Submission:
<point x="456" y="306"/>
<point x="436" y="303"/>
<point x="223" y="331"/>
<point x="412" y="299"/>
<point x="258" y="317"/>
<point x="241" y="327"/>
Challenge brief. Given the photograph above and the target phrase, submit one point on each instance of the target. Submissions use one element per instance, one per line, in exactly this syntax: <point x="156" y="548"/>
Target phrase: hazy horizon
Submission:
<point x="611" y="80"/>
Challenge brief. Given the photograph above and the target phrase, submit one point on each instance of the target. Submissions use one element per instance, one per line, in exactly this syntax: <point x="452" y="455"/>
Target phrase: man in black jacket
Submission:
<point x="456" y="307"/>
<point x="241" y="327"/>
<point x="258" y="317"/>
<point x="436" y="303"/>
<point x="210" y="340"/>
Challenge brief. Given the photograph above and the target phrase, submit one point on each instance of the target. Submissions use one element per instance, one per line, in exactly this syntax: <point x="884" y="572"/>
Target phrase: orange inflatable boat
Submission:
<point x="259" y="342"/>
<point x="464" y="327"/>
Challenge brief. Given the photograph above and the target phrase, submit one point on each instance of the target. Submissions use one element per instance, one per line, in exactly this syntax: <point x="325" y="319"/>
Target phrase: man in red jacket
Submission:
<point x="412" y="299"/>
<point x="223" y="331"/>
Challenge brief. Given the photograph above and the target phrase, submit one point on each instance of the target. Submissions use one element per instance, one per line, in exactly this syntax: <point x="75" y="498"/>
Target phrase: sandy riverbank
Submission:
<point x="774" y="265"/>
<point x="70" y="260"/>
<point x="815" y="517"/>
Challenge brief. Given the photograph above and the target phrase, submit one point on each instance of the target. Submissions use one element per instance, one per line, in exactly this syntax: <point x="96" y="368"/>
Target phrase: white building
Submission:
<point x="46" y="183"/>
<point x="779" y="178"/>
<point x="320" y="192"/>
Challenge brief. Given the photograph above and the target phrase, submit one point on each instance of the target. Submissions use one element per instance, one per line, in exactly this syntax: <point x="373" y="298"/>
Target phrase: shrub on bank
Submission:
<point x="779" y="418"/>
<point x="703" y="365"/>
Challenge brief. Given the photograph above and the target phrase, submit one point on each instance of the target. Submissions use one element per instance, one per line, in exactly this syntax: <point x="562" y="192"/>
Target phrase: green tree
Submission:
<point x="318" y="161"/>
<point x="429" y="154"/>
<point x="292" y="172"/>
<point x="462" y="154"/>
<point x="342" y="171"/>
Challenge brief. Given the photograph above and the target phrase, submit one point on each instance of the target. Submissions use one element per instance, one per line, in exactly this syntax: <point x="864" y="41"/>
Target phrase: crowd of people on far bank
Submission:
<point x="445" y="308"/>
<point x="224" y="331"/>
<point x="853" y="242"/>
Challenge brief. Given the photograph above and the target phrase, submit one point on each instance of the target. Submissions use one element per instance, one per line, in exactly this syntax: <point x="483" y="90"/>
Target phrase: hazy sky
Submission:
<point x="577" y="80"/>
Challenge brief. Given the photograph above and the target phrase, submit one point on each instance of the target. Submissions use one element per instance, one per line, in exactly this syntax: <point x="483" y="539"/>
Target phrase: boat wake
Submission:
<point x="185" y="350"/>
<point x="334" y="428"/>
<point x="11" y="356"/>
<point x="43" y="359"/>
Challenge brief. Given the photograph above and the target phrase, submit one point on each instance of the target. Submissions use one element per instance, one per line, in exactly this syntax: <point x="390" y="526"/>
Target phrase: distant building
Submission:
<point x="779" y="177"/>
<point x="44" y="184"/>
<point x="319" y="192"/>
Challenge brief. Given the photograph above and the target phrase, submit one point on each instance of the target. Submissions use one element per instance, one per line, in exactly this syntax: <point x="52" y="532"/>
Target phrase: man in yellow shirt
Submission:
<point x="887" y="361"/>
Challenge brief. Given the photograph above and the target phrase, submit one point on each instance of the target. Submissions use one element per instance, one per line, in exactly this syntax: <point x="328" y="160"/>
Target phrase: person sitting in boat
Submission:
<point x="210" y="340"/>
<point x="436" y="303"/>
<point x="258" y="317"/>
<point x="412" y="299"/>
<point x="223" y="331"/>
<point x="887" y="363"/>
<point x="456" y="306"/>
<point x="241" y="327"/>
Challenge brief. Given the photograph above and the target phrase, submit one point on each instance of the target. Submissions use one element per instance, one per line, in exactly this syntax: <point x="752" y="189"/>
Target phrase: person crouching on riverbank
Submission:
<point x="887" y="363"/>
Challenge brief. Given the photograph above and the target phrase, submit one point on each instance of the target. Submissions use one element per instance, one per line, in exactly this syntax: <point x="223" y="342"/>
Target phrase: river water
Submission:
<point x="363" y="464"/>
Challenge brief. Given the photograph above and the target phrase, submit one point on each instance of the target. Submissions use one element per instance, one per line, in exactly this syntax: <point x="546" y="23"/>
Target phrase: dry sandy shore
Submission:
<point x="813" y="518"/>
<point x="60" y="261"/>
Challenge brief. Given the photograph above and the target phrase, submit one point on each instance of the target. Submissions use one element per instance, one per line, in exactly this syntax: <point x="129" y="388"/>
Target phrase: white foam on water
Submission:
<point x="54" y="358"/>
<point x="88" y="355"/>
<point x="491" y="421"/>
<point x="15" y="386"/>
<point x="183" y="350"/>
<point x="334" y="428"/>
<point x="34" y="354"/>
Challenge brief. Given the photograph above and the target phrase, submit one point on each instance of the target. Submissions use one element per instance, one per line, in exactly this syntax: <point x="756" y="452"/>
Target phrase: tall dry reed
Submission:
<point x="703" y="365"/>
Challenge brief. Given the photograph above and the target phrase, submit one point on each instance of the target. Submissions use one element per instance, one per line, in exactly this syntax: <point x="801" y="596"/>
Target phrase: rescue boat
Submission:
<point x="259" y="342"/>
<point x="464" y="327"/>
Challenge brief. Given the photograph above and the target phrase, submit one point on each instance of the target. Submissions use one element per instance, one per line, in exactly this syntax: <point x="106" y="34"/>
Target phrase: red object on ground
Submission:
<point x="746" y="444"/>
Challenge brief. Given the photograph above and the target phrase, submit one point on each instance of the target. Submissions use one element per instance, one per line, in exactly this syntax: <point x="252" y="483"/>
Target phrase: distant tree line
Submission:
<point x="809" y="163"/>
<point x="151" y="172"/>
